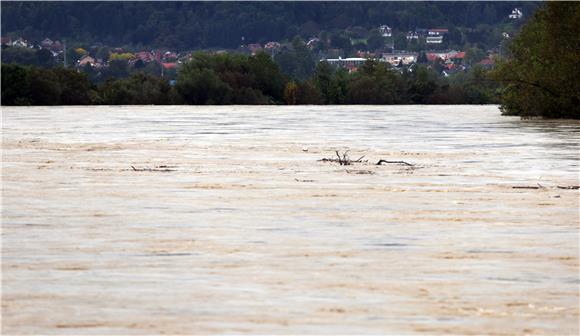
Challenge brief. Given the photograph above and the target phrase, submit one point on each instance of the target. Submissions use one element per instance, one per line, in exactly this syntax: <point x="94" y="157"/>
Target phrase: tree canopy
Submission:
<point x="199" y="24"/>
<point x="540" y="73"/>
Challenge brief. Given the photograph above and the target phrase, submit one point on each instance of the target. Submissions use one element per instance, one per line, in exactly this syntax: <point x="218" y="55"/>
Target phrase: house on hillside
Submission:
<point x="352" y="64"/>
<point x="86" y="59"/>
<point x="46" y="43"/>
<point x="454" y="56"/>
<point x="516" y="14"/>
<point x="272" y="45"/>
<point x="400" y="57"/>
<point x="144" y="56"/>
<point x="312" y="43"/>
<point x="437" y="32"/>
<point x="442" y="55"/>
<point x="6" y="41"/>
<point x="412" y="35"/>
<point x="432" y="57"/>
<point x="365" y="54"/>
<point x="457" y="57"/>
<point x="386" y="31"/>
<point x="434" y="39"/>
<point x="253" y="48"/>
<point x="20" y="42"/>
<point x="57" y="47"/>
<point x="169" y="57"/>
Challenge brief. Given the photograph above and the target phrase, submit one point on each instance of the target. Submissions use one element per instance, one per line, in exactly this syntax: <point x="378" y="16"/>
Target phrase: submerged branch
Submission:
<point x="397" y="162"/>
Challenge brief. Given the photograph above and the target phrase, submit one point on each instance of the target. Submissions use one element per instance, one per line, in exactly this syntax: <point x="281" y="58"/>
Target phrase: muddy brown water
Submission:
<point x="200" y="220"/>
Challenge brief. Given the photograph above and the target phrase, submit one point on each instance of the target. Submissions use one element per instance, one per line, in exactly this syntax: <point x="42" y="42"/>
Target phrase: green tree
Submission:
<point x="45" y="88"/>
<point x="199" y="84"/>
<point x="139" y="89"/>
<point x="290" y="93"/>
<point x="15" y="85"/>
<point x="75" y="86"/>
<point x="421" y="84"/>
<point x="376" y="40"/>
<point x="339" y="88"/>
<point x="24" y="56"/>
<point x="202" y="87"/>
<point x="324" y="81"/>
<point x="118" y="69"/>
<point x="44" y="58"/>
<point x="267" y="75"/>
<point x="474" y="55"/>
<point x="540" y="74"/>
<point x="308" y="94"/>
<point x="299" y="62"/>
<point x="376" y="83"/>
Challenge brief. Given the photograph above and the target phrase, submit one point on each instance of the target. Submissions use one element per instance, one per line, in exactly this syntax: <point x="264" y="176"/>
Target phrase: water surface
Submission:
<point x="142" y="220"/>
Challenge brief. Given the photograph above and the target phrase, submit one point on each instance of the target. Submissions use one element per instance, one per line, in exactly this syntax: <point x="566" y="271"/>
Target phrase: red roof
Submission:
<point x="459" y="55"/>
<point x="145" y="56"/>
<point x="432" y="57"/>
<point x="169" y="65"/>
<point x="487" y="61"/>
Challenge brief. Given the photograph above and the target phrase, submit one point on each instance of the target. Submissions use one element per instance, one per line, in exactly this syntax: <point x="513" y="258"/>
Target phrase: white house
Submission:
<point x="312" y="42"/>
<point x="397" y="57"/>
<point x="386" y="31"/>
<point x="437" y="32"/>
<point x="434" y="39"/>
<point x="412" y="35"/>
<point x="516" y="14"/>
<point x="346" y="62"/>
<point x="20" y="42"/>
<point x="272" y="45"/>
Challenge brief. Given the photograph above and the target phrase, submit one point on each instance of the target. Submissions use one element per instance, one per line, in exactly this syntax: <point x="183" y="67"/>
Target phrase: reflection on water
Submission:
<point x="249" y="233"/>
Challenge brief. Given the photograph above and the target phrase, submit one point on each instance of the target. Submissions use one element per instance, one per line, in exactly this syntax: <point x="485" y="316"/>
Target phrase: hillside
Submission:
<point x="195" y="25"/>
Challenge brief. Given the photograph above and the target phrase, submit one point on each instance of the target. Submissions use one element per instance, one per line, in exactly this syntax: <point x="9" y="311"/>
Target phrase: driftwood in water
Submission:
<point x="539" y="186"/>
<point x="569" y="187"/>
<point x="396" y="162"/>
<point x="162" y="168"/>
<point x="343" y="160"/>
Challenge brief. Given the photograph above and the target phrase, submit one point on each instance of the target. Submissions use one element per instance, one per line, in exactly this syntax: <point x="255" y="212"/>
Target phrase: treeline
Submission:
<point x="195" y="25"/>
<point x="247" y="80"/>
<point x="28" y="85"/>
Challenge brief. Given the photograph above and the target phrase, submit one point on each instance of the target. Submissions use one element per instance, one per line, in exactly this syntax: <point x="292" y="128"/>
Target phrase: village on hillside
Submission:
<point x="427" y="46"/>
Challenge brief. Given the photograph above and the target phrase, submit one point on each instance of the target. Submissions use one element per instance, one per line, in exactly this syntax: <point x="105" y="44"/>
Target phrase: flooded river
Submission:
<point x="199" y="220"/>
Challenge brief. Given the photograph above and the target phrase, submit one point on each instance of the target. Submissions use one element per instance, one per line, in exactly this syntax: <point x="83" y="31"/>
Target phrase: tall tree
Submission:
<point x="540" y="74"/>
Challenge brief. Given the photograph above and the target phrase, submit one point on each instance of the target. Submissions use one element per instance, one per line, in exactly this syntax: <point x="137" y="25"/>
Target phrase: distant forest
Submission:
<point x="196" y="25"/>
